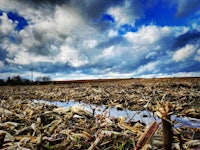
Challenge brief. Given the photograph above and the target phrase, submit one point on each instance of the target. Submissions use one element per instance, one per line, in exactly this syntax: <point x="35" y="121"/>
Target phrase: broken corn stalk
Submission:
<point x="2" y="136"/>
<point x="147" y="135"/>
<point x="167" y="133"/>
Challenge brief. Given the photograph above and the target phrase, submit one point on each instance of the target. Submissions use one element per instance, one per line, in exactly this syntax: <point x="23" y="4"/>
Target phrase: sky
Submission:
<point x="94" y="39"/>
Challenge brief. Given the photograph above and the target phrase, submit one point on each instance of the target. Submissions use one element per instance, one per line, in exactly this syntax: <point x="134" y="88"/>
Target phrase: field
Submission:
<point x="171" y="105"/>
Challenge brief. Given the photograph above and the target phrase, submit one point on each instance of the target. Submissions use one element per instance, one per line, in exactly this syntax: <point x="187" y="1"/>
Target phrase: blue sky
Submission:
<point x="73" y="39"/>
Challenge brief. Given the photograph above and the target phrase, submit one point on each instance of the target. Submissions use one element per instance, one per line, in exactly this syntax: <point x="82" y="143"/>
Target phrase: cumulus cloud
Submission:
<point x="31" y="10"/>
<point x="184" y="53"/>
<point x="127" y="13"/>
<point x="120" y="15"/>
<point x="41" y="40"/>
<point x="112" y="33"/>
<point x="71" y="37"/>
<point x="90" y="43"/>
<point x="24" y="58"/>
<point x="109" y="52"/>
<point x="71" y="56"/>
<point x="66" y="19"/>
<point x="151" y="34"/>
<point x="152" y="42"/>
<point x="6" y="25"/>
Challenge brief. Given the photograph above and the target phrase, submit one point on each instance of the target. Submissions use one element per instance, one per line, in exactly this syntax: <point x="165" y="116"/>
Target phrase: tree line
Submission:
<point x="17" y="80"/>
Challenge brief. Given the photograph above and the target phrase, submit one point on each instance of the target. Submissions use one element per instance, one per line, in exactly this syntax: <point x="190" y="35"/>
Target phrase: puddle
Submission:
<point x="186" y="121"/>
<point x="144" y="116"/>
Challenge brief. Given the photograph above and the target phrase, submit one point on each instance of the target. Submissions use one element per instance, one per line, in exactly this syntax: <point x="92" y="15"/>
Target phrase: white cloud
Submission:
<point x="119" y="14"/>
<point x="185" y="74"/>
<point x="122" y="14"/>
<point x="197" y="58"/>
<point x="109" y="52"/>
<point x="149" y="40"/>
<point x="112" y="33"/>
<point x="48" y="29"/>
<point x="111" y="74"/>
<point x="64" y="35"/>
<point x="184" y="53"/>
<point x="25" y="58"/>
<point x="151" y="34"/>
<point x="60" y="24"/>
<point x="151" y="55"/>
<point x="71" y="56"/>
<point x="11" y="48"/>
<point x="72" y="76"/>
<point x="164" y="75"/>
<point x="28" y="10"/>
<point x="66" y="19"/>
<point x="30" y="38"/>
<point x="90" y="43"/>
<point x="6" y="25"/>
<point x="148" y="67"/>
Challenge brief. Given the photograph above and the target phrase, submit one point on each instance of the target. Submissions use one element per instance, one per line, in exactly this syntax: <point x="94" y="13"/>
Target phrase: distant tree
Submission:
<point x="8" y="81"/>
<point x="38" y="79"/>
<point x="2" y="82"/>
<point x="16" y="80"/>
<point x="26" y="81"/>
<point x="46" y="78"/>
<point x="11" y="81"/>
<point x="43" y="79"/>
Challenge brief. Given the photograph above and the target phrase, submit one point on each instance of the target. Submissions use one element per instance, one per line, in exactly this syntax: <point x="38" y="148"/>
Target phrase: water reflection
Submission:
<point x="143" y="116"/>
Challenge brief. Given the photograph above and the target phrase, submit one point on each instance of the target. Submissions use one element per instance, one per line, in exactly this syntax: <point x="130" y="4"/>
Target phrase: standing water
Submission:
<point x="143" y="116"/>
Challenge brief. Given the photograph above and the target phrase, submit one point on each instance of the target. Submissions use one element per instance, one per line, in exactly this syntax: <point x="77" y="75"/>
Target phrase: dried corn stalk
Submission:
<point x="147" y="136"/>
<point x="164" y="110"/>
<point x="2" y="136"/>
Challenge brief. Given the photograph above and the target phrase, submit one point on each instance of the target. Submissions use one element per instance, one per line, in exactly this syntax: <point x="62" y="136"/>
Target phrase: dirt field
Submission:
<point x="27" y="123"/>
<point x="132" y="94"/>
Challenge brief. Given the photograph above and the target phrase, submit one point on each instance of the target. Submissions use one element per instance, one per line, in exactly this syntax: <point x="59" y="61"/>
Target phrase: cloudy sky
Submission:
<point x="81" y="39"/>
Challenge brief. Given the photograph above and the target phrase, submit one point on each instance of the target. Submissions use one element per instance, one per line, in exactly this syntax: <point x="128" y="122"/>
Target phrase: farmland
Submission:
<point x="57" y="128"/>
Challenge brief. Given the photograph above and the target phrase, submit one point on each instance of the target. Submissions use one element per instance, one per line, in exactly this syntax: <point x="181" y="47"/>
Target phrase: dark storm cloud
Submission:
<point x="43" y="50"/>
<point x="46" y="67"/>
<point x="44" y="46"/>
<point x="190" y="37"/>
<point x="94" y="9"/>
<point x="36" y="3"/>
<point x="187" y="7"/>
<point x="90" y="9"/>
